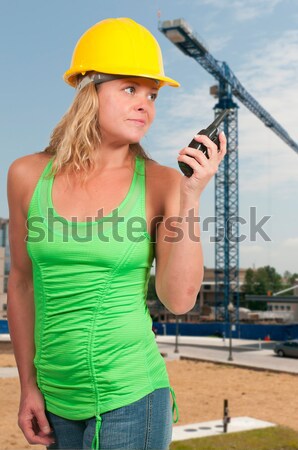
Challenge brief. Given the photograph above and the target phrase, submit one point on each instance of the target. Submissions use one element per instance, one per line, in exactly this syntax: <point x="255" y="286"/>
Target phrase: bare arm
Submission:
<point x="179" y="256"/>
<point x="32" y="419"/>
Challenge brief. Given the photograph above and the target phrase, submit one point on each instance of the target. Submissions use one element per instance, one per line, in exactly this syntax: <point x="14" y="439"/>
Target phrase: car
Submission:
<point x="287" y="348"/>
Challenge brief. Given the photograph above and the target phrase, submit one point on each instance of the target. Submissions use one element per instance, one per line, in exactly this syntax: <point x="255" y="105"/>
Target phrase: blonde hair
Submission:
<point x="76" y="137"/>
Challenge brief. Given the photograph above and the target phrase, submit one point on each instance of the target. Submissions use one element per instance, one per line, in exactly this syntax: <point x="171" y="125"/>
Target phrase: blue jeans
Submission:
<point x="143" y="425"/>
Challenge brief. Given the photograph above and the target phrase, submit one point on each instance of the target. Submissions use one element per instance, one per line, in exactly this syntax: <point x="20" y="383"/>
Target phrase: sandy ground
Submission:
<point x="200" y="391"/>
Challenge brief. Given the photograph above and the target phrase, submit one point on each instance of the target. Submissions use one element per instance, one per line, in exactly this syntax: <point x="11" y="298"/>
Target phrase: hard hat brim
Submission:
<point x="70" y="77"/>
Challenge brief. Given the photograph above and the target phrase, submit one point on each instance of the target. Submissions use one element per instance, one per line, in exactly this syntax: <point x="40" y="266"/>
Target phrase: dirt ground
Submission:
<point x="200" y="391"/>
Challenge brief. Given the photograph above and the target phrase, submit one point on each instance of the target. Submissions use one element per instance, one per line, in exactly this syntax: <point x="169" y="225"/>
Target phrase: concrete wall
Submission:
<point x="284" y="309"/>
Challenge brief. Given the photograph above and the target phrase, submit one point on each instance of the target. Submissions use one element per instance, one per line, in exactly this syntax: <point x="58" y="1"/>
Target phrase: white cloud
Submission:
<point x="272" y="66"/>
<point x="270" y="254"/>
<point x="270" y="75"/>
<point x="285" y="255"/>
<point x="244" y="10"/>
<point x="251" y="250"/>
<point x="215" y="45"/>
<point x="292" y="243"/>
<point x="265" y="162"/>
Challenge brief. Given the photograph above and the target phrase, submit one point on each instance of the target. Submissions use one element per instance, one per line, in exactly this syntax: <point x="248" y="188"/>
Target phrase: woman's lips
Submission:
<point x="140" y="122"/>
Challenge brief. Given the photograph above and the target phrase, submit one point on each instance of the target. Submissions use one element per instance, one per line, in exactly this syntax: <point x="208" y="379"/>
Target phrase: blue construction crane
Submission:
<point x="226" y="179"/>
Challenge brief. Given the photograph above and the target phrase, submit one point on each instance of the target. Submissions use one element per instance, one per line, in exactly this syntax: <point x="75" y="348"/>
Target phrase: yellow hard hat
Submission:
<point x="119" y="47"/>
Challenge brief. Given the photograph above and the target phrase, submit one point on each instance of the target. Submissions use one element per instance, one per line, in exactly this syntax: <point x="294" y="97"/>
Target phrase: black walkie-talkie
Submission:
<point x="212" y="132"/>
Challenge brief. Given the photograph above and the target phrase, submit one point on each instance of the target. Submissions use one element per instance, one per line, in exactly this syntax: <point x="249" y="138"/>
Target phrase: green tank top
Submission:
<point x="95" y="349"/>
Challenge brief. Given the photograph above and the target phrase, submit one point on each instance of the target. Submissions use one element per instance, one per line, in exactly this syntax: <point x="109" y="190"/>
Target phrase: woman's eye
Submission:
<point x="130" y="90"/>
<point x="153" y="97"/>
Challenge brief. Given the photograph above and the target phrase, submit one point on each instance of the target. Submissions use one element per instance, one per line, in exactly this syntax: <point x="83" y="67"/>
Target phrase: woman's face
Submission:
<point x="126" y="109"/>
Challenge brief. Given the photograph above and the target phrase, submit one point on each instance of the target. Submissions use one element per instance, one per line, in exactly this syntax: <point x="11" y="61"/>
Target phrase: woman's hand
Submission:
<point x="203" y="168"/>
<point x="32" y="419"/>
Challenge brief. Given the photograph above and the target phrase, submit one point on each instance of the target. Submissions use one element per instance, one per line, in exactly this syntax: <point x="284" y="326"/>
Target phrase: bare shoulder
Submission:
<point x="163" y="188"/>
<point x="164" y="176"/>
<point x="28" y="165"/>
<point x="23" y="175"/>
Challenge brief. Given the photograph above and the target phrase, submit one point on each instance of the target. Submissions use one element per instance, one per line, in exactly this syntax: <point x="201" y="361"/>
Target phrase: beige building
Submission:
<point x="285" y="308"/>
<point x="207" y="292"/>
<point x="2" y="269"/>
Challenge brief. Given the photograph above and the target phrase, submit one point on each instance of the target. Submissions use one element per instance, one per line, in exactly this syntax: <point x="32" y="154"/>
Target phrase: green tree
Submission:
<point x="268" y="280"/>
<point x="291" y="278"/>
<point x="249" y="282"/>
<point x="263" y="281"/>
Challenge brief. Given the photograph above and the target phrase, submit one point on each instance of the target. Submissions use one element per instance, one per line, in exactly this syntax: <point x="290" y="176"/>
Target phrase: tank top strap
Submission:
<point x="35" y="203"/>
<point x="140" y="169"/>
<point x="134" y="204"/>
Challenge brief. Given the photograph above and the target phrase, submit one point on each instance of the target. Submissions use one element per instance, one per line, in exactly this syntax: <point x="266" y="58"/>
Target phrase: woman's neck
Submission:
<point x="108" y="157"/>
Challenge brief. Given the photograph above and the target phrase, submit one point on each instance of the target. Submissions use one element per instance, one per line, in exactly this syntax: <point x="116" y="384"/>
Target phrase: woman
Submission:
<point x="87" y="217"/>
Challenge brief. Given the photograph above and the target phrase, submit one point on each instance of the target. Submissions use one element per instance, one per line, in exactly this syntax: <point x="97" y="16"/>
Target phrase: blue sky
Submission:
<point x="257" y="38"/>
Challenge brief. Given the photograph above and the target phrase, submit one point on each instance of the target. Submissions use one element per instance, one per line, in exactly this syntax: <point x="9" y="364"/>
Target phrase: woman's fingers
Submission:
<point x="212" y="149"/>
<point x="31" y="429"/>
<point x="204" y="168"/>
<point x="215" y="154"/>
<point x="210" y="145"/>
<point x="33" y="421"/>
<point x="193" y="154"/>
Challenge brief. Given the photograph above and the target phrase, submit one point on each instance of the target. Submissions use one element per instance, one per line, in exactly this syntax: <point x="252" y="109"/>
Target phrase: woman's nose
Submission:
<point x="141" y="103"/>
